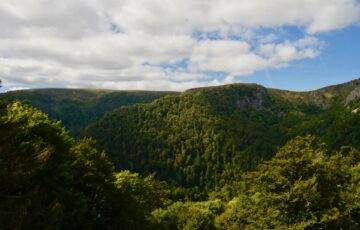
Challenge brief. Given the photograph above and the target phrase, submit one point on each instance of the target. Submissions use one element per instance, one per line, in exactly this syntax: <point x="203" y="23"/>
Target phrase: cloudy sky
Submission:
<point x="178" y="44"/>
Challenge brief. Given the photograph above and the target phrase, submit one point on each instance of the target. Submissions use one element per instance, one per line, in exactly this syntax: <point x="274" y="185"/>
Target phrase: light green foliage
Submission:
<point x="303" y="186"/>
<point x="188" y="216"/>
<point x="147" y="192"/>
<point x="141" y="197"/>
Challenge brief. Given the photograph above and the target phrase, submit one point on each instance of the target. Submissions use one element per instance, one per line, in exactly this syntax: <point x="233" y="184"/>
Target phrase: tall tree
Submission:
<point x="35" y="171"/>
<point x="302" y="187"/>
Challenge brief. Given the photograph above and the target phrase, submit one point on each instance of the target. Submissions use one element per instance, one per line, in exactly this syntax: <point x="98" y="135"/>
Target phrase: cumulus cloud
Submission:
<point x="158" y="44"/>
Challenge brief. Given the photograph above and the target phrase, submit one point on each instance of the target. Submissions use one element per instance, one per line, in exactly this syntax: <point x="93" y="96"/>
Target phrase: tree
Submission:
<point x="35" y="171"/>
<point x="188" y="215"/>
<point x="302" y="187"/>
<point x="94" y="179"/>
<point x="143" y="195"/>
<point x="49" y="181"/>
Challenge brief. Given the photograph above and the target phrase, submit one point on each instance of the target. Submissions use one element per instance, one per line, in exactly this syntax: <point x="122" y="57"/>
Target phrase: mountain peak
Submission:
<point x="227" y="86"/>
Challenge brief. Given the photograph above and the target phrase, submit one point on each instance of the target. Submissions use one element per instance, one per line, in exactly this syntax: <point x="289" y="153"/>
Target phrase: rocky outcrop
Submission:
<point x="256" y="100"/>
<point x="320" y="100"/>
<point x="353" y="95"/>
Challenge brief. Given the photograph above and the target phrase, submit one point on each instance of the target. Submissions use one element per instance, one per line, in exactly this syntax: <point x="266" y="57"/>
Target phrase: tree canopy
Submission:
<point x="50" y="181"/>
<point x="234" y="157"/>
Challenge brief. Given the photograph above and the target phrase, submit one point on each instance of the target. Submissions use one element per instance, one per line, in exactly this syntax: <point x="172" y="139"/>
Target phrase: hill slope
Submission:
<point x="205" y="138"/>
<point x="77" y="108"/>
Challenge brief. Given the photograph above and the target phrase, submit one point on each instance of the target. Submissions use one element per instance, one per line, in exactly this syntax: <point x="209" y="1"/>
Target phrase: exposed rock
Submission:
<point x="255" y="100"/>
<point x="353" y="95"/>
<point x="320" y="100"/>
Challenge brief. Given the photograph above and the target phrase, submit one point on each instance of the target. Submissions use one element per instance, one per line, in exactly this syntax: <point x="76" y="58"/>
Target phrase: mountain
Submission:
<point x="205" y="138"/>
<point x="77" y="108"/>
<point x="236" y="157"/>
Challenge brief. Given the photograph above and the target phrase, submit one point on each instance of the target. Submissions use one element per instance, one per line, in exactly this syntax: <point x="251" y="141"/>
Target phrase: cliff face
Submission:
<point x="256" y="100"/>
<point x="319" y="99"/>
<point x="353" y="96"/>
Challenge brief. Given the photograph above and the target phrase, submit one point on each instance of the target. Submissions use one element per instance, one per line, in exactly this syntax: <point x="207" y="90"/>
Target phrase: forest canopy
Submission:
<point x="225" y="158"/>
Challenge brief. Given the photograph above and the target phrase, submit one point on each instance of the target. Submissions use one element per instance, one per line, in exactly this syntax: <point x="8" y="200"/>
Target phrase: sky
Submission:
<point x="178" y="44"/>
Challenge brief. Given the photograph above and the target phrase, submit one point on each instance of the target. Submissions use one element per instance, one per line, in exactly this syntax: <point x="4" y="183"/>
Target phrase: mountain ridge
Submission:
<point x="354" y="82"/>
<point x="77" y="108"/>
<point x="206" y="137"/>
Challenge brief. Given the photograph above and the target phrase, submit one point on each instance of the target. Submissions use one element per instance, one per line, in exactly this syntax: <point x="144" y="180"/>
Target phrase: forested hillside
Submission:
<point x="77" y="108"/>
<point x="50" y="181"/>
<point x="205" y="138"/>
<point x="231" y="157"/>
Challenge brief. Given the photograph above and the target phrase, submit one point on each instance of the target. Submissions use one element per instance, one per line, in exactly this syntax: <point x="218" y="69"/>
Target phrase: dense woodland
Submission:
<point x="230" y="157"/>
<point x="204" y="139"/>
<point x="77" y="108"/>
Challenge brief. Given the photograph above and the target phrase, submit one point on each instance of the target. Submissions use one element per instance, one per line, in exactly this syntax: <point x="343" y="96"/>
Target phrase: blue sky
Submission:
<point x="338" y="62"/>
<point x="176" y="45"/>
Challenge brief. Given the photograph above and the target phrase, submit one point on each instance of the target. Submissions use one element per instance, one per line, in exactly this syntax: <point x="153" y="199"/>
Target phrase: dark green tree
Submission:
<point x="93" y="177"/>
<point x="143" y="195"/>
<point x="49" y="181"/>
<point x="35" y="171"/>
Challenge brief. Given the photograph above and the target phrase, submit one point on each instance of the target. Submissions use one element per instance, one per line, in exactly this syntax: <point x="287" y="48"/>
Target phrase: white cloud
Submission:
<point x="138" y="44"/>
<point x="17" y="88"/>
<point x="237" y="58"/>
<point x="162" y="16"/>
<point x="234" y="57"/>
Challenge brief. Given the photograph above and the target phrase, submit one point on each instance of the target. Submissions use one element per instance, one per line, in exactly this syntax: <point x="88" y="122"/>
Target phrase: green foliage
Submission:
<point x="147" y="192"/>
<point x="77" y="108"/>
<point x="337" y="127"/>
<point x="222" y="141"/>
<point x="204" y="139"/>
<point x="93" y="177"/>
<point x="35" y="173"/>
<point x="143" y="195"/>
<point x="49" y="181"/>
<point x="302" y="187"/>
<point x="189" y="216"/>
<point x="199" y="140"/>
